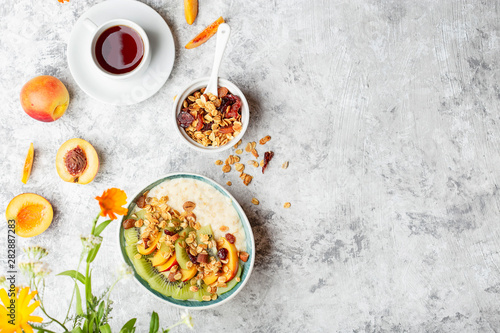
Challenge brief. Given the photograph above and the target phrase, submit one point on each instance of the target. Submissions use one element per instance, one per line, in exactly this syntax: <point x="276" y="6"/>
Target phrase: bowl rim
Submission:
<point x="201" y="83"/>
<point x="245" y="220"/>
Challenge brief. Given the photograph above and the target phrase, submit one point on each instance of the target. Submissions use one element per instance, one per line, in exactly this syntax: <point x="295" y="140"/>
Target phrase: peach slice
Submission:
<point x="77" y="161"/>
<point x="145" y="251"/>
<point x="169" y="264"/>
<point x="44" y="98"/>
<point x="232" y="260"/>
<point x="211" y="278"/>
<point x="205" y="35"/>
<point x="188" y="274"/>
<point x="190" y="10"/>
<point x="159" y="257"/>
<point x="31" y="213"/>
<point x="28" y="163"/>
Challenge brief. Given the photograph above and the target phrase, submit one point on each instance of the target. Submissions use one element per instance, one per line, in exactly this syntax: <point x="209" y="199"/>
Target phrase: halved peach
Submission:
<point x="232" y="260"/>
<point x="169" y="264"/>
<point x="31" y="213"/>
<point x="188" y="274"/>
<point x="145" y="251"/>
<point x="28" y="163"/>
<point x="77" y="161"/>
<point x="211" y="278"/>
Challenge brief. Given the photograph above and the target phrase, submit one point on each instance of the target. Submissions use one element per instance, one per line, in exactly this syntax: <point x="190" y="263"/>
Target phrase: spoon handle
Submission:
<point x="223" y="33"/>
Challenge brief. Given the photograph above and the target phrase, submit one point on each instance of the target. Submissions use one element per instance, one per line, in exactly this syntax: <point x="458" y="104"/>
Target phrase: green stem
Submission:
<point x="44" y="330"/>
<point x="176" y="324"/>
<point x="95" y="222"/>
<point x="87" y="270"/>
<point x="42" y="307"/>
<point x="73" y="293"/>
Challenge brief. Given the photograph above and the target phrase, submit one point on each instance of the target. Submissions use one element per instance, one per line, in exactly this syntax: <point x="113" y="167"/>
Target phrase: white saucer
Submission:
<point x="126" y="91"/>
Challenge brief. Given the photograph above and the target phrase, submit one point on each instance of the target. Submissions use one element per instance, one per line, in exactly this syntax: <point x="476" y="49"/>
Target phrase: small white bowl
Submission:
<point x="197" y="85"/>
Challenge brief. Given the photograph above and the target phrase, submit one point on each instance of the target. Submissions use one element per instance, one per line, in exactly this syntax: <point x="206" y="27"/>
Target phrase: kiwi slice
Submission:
<point x="160" y="283"/>
<point x="131" y="251"/>
<point x="231" y="284"/>
<point x="181" y="254"/>
<point x="205" y="230"/>
<point x="183" y="293"/>
<point x="201" y="292"/>
<point x="131" y="236"/>
<point x="144" y="268"/>
<point x="185" y="232"/>
<point x="141" y="215"/>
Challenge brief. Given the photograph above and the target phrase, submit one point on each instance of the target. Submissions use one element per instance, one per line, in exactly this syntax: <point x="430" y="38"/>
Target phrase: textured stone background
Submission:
<point x="388" y="114"/>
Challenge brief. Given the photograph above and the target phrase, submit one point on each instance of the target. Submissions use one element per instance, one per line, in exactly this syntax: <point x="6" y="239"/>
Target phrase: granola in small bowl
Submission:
<point x="208" y="122"/>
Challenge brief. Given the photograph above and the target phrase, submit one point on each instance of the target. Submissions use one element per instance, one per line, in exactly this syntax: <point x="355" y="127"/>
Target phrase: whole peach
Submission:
<point x="44" y="98"/>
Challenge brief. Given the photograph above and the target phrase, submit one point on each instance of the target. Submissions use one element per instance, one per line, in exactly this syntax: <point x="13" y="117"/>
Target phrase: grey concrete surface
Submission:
<point x="388" y="114"/>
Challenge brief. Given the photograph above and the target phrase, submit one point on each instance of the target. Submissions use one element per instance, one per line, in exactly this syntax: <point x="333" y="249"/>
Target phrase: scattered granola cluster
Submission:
<point x="211" y="120"/>
<point x="240" y="167"/>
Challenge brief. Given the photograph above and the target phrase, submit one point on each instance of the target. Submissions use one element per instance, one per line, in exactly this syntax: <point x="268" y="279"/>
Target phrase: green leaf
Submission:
<point x="75" y="275"/>
<point x="100" y="228"/>
<point x="154" y="325"/>
<point x="91" y="323"/>
<point x="76" y="330"/>
<point x="129" y="326"/>
<point x="93" y="253"/>
<point x="79" y="310"/>
<point x="105" y="328"/>
<point x="100" y="312"/>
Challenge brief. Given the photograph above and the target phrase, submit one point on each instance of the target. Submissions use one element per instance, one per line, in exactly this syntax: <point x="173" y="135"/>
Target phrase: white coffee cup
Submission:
<point x="98" y="30"/>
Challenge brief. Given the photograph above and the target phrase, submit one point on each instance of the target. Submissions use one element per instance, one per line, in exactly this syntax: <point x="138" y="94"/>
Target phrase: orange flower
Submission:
<point x="111" y="202"/>
<point x="62" y="1"/>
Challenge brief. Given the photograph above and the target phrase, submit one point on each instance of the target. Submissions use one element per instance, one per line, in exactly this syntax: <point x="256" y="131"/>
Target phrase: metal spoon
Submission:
<point x="223" y="33"/>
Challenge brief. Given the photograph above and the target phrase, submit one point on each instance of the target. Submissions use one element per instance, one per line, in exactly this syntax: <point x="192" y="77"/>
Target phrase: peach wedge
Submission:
<point x="77" y="161"/>
<point x="232" y="260"/>
<point x="28" y="163"/>
<point x="32" y="214"/>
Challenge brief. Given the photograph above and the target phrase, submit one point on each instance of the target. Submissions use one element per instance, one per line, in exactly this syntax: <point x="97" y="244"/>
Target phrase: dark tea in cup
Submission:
<point x="119" y="49"/>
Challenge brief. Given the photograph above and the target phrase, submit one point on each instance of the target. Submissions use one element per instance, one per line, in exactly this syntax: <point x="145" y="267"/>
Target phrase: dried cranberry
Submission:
<point x="226" y="101"/>
<point x="235" y="108"/>
<point x="192" y="258"/>
<point x="185" y="119"/>
<point x="268" y="155"/>
<point x="207" y="127"/>
<point x="169" y="233"/>
<point x="222" y="254"/>
<point x="230" y="238"/>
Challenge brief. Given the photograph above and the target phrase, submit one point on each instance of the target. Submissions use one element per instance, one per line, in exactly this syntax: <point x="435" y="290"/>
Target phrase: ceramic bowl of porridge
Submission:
<point x="188" y="241"/>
